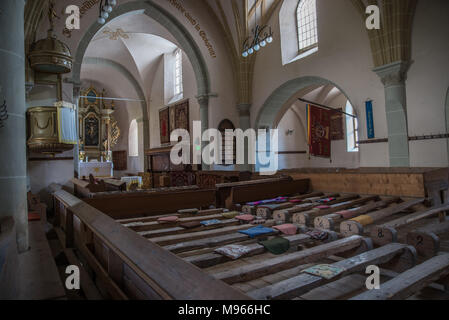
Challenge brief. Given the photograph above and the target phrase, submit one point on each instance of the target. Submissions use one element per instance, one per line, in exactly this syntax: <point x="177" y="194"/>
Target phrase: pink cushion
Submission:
<point x="346" y="214"/>
<point x="295" y="201"/>
<point x="322" y="207"/>
<point x="287" y="229"/>
<point x="245" y="217"/>
<point x="168" y="219"/>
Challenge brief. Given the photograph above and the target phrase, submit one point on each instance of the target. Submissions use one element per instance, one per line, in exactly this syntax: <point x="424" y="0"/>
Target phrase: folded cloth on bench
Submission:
<point x="233" y="251"/>
<point x="245" y="217"/>
<point x="168" y="219"/>
<point x="325" y="271"/>
<point x="323" y="207"/>
<point x="327" y="200"/>
<point x="257" y="231"/>
<point x="210" y="222"/>
<point x="364" y="220"/>
<point x="276" y="246"/>
<point x="258" y="203"/>
<point x="346" y="214"/>
<point x="295" y="201"/>
<point x="230" y="214"/>
<point x="188" y="211"/>
<point x="287" y="229"/>
<point x="318" y="235"/>
<point x="191" y="225"/>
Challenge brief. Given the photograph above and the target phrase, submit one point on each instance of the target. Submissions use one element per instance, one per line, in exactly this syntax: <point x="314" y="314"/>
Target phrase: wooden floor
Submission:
<point x="262" y="275"/>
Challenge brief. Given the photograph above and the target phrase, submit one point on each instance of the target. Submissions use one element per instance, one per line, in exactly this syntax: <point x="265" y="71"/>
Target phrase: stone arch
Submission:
<point x="277" y="100"/>
<point x="178" y="31"/>
<point x="163" y="17"/>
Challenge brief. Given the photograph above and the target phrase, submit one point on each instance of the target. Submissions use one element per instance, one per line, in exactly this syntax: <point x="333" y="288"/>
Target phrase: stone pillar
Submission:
<point x="393" y="77"/>
<point x="204" y="117"/>
<point x="245" y="124"/>
<point x="13" y="172"/>
<point x="76" y="149"/>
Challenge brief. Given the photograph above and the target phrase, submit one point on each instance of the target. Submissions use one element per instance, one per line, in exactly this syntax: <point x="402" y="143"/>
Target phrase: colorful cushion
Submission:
<point x="323" y="207"/>
<point x="245" y="217"/>
<point x="295" y="201"/>
<point x="168" y="219"/>
<point x="287" y="229"/>
<point x="190" y="225"/>
<point x="258" y="221"/>
<point x="210" y="222"/>
<point x="318" y="235"/>
<point x="188" y="211"/>
<point x="346" y="214"/>
<point x="325" y="271"/>
<point x="257" y="231"/>
<point x="230" y="215"/>
<point x="233" y="251"/>
<point x="276" y="246"/>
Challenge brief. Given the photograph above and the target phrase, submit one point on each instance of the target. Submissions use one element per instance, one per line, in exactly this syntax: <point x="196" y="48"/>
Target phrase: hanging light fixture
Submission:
<point x="105" y="10"/>
<point x="262" y="35"/>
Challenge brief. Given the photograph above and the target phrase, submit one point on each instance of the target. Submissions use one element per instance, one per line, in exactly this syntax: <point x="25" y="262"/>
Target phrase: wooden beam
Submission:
<point x="388" y="232"/>
<point x="411" y="281"/>
<point x="352" y="227"/>
<point x="257" y="270"/>
<point x="426" y="240"/>
<point x="303" y="283"/>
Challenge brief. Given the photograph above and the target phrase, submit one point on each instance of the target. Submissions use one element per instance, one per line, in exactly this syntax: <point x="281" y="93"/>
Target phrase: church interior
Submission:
<point x="347" y="199"/>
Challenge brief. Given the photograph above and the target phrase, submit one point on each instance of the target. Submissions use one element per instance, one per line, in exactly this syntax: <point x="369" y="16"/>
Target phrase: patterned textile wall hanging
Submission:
<point x="337" y="126"/>
<point x="164" y="116"/>
<point x="120" y="160"/>
<point x="181" y="116"/>
<point x="319" y="131"/>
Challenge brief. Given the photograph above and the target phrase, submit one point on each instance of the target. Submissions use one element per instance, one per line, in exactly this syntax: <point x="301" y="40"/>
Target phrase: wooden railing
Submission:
<point x="128" y="266"/>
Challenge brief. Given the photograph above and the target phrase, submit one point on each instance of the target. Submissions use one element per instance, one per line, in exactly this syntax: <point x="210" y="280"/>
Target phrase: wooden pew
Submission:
<point x="330" y="221"/>
<point x="426" y="240"/>
<point x="257" y="270"/>
<point x="224" y="189"/>
<point x="131" y="267"/>
<point x="134" y="205"/>
<point x="307" y="218"/>
<point x="388" y="232"/>
<point x="411" y="281"/>
<point x="210" y="259"/>
<point x="303" y="283"/>
<point x="353" y="227"/>
<point x="248" y="193"/>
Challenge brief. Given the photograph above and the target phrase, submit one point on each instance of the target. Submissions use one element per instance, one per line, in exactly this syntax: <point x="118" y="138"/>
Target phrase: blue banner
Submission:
<point x="370" y="120"/>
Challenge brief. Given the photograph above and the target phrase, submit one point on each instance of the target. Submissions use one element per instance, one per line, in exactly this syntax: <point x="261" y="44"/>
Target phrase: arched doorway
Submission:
<point x="283" y="111"/>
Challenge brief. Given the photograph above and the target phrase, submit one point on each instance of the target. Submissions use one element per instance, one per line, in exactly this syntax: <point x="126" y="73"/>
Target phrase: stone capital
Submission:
<point x="394" y="73"/>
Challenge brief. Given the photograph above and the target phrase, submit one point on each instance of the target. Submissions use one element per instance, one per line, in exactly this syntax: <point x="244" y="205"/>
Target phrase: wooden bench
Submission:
<point x="255" y="192"/>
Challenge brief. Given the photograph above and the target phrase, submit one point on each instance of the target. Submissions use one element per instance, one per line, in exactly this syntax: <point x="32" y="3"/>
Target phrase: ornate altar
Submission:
<point x="98" y="129"/>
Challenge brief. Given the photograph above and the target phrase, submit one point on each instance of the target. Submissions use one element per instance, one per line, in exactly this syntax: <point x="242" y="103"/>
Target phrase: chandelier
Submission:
<point x="105" y="10"/>
<point x="262" y="35"/>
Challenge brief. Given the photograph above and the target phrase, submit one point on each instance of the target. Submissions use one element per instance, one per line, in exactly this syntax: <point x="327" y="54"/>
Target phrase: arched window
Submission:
<point x="307" y="25"/>
<point x="133" y="139"/>
<point x="178" y="73"/>
<point x="228" y="155"/>
<point x="352" y="129"/>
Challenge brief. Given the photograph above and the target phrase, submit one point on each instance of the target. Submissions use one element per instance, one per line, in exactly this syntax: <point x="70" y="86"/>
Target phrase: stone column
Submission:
<point x="393" y="77"/>
<point x="76" y="149"/>
<point x="13" y="172"/>
<point x="245" y="124"/>
<point x="204" y="117"/>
